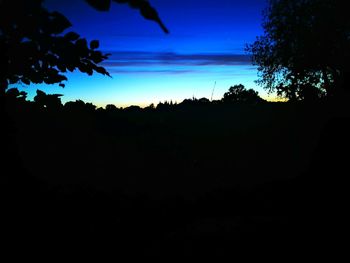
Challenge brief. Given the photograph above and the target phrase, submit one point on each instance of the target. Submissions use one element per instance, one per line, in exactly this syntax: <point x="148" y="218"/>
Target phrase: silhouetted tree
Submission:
<point x="49" y="101"/>
<point x="164" y="106"/>
<point x="34" y="50"/>
<point x="194" y="102"/>
<point x="305" y="46"/>
<point x="14" y="95"/>
<point x="133" y="108"/>
<point x="187" y="102"/>
<point x="79" y="106"/>
<point x="111" y="107"/>
<point x="151" y="107"/>
<point x="238" y="93"/>
<point x="203" y="101"/>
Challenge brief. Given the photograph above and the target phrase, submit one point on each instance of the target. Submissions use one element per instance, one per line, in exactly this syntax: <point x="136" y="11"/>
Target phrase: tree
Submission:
<point x="34" y="50"/>
<point x="49" y="101"/>
<point x="305" y="48"/>
<point x="150" y="107"/>
<point x="111" y="108"/>
<point x="14" y="95"/>
<point x="238" y="93"/>
<point x="79" y="106"/>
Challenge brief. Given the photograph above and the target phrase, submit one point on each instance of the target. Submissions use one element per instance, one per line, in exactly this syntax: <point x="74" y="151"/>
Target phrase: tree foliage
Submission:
<point x="79" y="106"/>
<point x="36" y="49"/>
<point x="50" y="101"/>
<point x="305" y="48"/>
<point x="146" y="10"/>
<point x="238" y="93"/>
<point x="13" y="95"/>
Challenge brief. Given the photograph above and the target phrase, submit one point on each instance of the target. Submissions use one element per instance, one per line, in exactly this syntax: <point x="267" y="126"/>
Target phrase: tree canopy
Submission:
<point x="36" y="47"/>
<point x="305" y="49"/>
<point x="238" y="93"/>
<point x="35" y="50"/>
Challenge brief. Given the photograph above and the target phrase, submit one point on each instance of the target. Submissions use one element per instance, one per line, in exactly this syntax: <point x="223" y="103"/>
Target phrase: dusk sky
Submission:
<point x="205" y="45"/>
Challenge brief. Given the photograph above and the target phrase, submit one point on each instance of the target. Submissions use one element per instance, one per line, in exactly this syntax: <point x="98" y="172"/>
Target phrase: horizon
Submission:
<point x="205" y="46"/>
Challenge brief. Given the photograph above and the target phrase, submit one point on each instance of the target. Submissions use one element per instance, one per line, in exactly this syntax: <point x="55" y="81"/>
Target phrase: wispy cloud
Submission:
<point x="156" y="59"/>
<point x="157" y="71"/>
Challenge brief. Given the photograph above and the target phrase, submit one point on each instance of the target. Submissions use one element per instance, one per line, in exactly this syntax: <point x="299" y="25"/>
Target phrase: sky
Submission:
<point x="201" y="57"/>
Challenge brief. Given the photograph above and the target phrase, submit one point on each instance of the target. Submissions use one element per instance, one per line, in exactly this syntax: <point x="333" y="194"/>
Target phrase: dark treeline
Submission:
<point x="194" y="178"/>
<point x="237" y="94"/>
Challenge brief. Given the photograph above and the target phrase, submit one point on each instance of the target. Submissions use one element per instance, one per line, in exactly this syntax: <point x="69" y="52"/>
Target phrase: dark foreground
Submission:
<point x="214" y="180"/>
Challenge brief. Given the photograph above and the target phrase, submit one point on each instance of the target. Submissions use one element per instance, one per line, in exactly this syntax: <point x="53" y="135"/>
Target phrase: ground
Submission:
<point x="203" y="180"/>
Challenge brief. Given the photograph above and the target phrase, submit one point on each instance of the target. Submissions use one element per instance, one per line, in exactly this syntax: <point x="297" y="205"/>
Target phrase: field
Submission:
<point x="188" y="180"/>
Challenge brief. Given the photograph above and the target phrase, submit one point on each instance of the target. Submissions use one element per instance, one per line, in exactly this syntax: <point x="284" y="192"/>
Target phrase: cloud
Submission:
<point x="157" y="71"/>
<point x="141" y="59"/>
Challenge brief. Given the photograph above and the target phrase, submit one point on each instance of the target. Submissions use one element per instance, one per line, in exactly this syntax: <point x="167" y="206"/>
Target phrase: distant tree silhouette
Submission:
<point x="111" y="107"/>
<point x="13" y="95"/>
<point x="150" y="107"/>
<point x="34" y="50"/>
<point x="194" y="102"/>
<point x="146" y="10"/>
<point x="305" y="47"/>
<point x="50" y="101"/>
<point x="133" y="108"/>
<point x="204" y="101"/>
<point x="79" y="106"/>
<point x="238" y="93"/>
<point x="187" y="102"/>
<point x="166" y="105"/>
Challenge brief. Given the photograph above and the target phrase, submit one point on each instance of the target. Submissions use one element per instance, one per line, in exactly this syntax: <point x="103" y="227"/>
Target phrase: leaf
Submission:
<point x="72" y="36"/>
<point x="13" y="79"/>
<point x="25" y="81"/>
<point x="81" y="43"/>
<point x="61" y="85"/>
<point x="81" y="47"/>
<point x="97" y="57"/>
<point x="59" y="23"/>
<point x="40" y="93"/>
<point x="61" y="67"/>
<point x="23" y="94"/>
<point x="101" y="5"/>
<point x="146" y="10"/>
<point x="71" y="68"/>
<point x="102" y="70"/>
<point x="85" y="69"/>
<point x="94" y="44"/>
<point x="14" y="92"/>
<point x="61" y="78"/>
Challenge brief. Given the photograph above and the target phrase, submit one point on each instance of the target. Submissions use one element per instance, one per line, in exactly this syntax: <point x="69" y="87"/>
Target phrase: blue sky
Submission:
<point x="205" y="45"/>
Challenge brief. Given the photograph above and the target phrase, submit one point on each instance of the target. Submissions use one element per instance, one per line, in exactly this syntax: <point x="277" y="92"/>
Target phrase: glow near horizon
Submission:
<point x="144" y="88"/>
<point x="203" y="31"/>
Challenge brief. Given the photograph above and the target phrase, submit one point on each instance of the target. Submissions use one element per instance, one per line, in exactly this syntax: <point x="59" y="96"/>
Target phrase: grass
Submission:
<point x="215" y="177"/>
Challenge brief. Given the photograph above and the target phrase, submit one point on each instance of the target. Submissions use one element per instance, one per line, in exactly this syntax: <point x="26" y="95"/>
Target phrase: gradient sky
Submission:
<point x="206" y="44"/>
